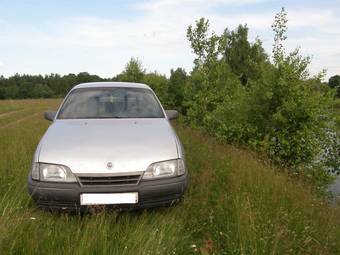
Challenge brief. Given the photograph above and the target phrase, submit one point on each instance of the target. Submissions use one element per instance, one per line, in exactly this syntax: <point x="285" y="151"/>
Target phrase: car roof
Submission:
<point x="111" y="85"/>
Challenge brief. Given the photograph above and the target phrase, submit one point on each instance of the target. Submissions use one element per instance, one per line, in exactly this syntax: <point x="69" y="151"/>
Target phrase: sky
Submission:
<point x="100" y="36"/>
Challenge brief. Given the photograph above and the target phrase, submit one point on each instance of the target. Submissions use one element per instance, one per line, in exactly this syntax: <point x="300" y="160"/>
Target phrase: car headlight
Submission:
<point x="52" y="173"/>
<point x="163" y="169"/>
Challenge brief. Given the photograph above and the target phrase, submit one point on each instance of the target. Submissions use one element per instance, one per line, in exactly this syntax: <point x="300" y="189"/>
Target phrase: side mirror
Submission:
<point x="50" y="115"/>
<point x="171" y="114"/>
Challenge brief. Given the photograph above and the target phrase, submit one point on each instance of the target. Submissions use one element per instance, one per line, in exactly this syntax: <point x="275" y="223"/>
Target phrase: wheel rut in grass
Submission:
<point x="18" y="121"/>
<point x="10" y="112"/>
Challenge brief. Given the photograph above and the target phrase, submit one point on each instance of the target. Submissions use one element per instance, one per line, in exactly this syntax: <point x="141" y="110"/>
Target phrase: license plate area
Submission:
<point x="108" y="198"/>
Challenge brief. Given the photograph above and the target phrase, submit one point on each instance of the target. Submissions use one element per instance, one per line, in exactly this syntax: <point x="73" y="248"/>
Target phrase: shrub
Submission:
<point x="238" y="95"/>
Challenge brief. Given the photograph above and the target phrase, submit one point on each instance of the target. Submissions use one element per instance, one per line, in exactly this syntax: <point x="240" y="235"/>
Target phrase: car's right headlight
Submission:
<point x="52" y="173"/>
<point x="164" y="169"/>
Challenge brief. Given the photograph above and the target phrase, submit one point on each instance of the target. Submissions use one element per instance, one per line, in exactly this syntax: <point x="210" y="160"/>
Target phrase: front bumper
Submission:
<point x="151" y="193"/>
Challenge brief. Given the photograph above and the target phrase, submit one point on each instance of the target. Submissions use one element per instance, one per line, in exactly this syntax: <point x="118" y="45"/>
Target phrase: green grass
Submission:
<point x="235" y="204"/>
<point x="7" y="106"/>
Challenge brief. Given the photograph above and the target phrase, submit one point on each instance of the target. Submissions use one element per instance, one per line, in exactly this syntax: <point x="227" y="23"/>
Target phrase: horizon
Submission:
<point x="45" y="37"/>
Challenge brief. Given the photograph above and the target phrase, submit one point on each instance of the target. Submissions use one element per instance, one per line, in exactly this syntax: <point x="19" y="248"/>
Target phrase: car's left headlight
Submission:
<point x="163" y="169"/>
<point x="52" y="173"/>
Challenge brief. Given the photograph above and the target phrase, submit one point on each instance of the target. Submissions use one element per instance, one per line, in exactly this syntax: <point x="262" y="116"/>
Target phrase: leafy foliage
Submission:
<point x="334" y="83"/>
<point x="239" y="95"/>
<point x="177" y="84"/>
<point x="244" y="58"/>
<point x="133" y="72"/>
<point x="38" y="86"/>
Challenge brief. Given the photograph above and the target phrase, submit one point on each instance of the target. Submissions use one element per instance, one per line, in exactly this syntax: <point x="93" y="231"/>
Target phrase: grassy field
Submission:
<point x="235" y="204"/>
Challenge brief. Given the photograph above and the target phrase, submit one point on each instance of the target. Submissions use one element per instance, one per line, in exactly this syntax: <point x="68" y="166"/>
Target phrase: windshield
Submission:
<point x="96" y="103"/>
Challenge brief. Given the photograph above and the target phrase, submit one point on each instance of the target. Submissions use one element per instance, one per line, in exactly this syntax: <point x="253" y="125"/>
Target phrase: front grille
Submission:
<point x="110" y="180"/>
<point x="58" y="204"/>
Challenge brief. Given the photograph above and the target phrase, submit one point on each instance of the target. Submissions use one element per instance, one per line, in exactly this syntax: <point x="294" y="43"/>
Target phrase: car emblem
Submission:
<point x="109" y="165"/>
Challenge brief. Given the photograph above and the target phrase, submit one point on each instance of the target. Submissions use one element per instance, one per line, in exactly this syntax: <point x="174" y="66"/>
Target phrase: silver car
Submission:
<point x="110" y="144"/>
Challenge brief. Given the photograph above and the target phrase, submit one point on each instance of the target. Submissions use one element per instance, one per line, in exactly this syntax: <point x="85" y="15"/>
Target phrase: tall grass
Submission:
<point x="234" y="204"/>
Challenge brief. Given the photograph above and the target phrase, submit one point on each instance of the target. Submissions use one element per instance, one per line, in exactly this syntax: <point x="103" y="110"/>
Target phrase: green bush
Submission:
<point x="238" y="95"/>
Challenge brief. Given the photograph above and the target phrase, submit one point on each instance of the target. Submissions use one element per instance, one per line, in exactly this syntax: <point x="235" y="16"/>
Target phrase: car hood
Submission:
<point x="86" y="146"/>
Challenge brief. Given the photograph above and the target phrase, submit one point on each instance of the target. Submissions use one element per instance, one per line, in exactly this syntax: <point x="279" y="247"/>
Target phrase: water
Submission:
<point x="334" y="188"/>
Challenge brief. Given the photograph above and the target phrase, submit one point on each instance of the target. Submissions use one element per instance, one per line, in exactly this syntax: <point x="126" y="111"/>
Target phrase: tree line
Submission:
<point x="236" y="92"/>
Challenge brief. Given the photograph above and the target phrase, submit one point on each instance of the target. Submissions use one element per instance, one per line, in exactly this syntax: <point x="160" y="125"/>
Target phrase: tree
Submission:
<point x="243" y="57"/>
<point x="286" y="108"/>
<point x="280" y="28"/>
<point x="41" y="91"/>
<point x="11" y="92"/>
<point x="86" y="77"/>
<point x="159" y="83"/>
<point x="38" y="86"/>
<point x="334" y="83"/>
<point x="203" y="44"/>
<point x="177" y="81"/>
<point x="25" y="90"/>
<point x="280" y="110"/>
<point x="212" y="81"/>
<point x="133" y="72"/>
